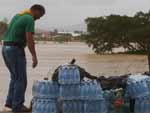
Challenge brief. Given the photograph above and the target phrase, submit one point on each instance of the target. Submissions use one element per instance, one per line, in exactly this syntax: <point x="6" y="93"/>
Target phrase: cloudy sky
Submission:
<point x="61" y="13"/>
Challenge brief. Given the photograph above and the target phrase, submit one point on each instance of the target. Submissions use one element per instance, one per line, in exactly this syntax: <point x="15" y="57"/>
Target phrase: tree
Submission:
<point x="106" y="33"/>
<point x="140" y="35"/>
<point x="3" y="28"/>
<point x="132" y="33"/>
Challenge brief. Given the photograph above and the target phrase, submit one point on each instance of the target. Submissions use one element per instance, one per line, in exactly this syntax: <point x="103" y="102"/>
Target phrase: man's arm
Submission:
<point x="31" y="47"/>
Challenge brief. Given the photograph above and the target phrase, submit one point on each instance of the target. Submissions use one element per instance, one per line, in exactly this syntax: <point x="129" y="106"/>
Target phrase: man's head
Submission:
<point x="37" y="11"/>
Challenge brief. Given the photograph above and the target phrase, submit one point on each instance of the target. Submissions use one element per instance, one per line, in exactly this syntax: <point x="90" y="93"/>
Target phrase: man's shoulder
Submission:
<point x="22" y="18"/>
<point x="27" y="16"/>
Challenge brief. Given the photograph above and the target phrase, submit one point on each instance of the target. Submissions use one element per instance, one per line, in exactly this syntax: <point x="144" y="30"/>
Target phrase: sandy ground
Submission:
<point x="51" y="55"/>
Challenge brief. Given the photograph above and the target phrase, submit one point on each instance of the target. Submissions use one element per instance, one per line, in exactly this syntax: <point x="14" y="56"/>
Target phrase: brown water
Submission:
<point x="51" y="55"/>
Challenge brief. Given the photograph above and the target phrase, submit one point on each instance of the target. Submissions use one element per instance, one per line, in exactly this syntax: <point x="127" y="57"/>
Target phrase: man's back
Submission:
<point x="19" y="25"/>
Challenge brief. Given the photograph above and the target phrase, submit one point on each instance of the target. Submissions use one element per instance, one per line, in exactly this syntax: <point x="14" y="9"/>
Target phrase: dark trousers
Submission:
<point x="14" y="58"/>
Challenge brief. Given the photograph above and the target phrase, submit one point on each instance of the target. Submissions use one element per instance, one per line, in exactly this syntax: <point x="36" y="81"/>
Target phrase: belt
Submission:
<point x="12" y="44"/>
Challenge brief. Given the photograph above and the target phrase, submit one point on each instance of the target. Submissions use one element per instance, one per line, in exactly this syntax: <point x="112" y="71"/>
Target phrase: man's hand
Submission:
<point x="34" y="61"/>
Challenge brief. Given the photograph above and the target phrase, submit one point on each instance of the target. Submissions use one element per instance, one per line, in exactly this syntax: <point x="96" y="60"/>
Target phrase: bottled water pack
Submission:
<point x="91" y="90"/>
<point x="142" y="105"/>
<point x="138" y="87"/>
<point x="44" y="106"/>
<point x="74" y="106"/>
<point x="70" y="92"/>
<point x="45" y="89"/>
<point x="69" y="74"/>
<point x="95" y="106"/>
<point x="84" y="106"/>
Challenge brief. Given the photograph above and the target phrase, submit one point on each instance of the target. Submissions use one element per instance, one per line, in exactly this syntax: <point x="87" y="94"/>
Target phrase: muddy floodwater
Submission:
<point x="51" y="55"/>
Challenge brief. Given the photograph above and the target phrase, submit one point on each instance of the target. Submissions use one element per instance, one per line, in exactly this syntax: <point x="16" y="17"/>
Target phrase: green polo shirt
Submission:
<point x="19" y="25"/>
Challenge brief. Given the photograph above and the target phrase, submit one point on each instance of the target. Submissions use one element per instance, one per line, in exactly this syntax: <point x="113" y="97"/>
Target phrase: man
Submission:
<point x="19" y="34"/>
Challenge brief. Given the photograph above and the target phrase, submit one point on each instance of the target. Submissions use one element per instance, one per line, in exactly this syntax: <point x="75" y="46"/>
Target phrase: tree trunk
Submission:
<point x="149" y="61"/>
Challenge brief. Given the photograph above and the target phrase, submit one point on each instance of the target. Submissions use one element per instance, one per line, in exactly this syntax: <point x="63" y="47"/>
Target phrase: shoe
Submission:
<point x="22" y="109"/>
<point x="8" y="106"/>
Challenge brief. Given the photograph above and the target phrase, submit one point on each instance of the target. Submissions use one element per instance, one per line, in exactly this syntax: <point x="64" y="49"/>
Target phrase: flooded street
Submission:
<point x="51" y="55"/>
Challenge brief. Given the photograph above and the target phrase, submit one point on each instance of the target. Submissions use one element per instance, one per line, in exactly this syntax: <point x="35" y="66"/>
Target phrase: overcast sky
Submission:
<point x="71" y="12"/>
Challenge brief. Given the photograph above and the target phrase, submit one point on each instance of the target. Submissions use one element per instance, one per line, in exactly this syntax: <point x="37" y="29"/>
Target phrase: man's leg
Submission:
<point x="20" y="83"/>
<point x="8" y="58"/>
<point x="16" y="62"/>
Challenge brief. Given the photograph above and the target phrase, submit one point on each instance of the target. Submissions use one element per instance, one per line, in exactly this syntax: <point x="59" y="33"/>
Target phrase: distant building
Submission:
<point x="52" y="35"/>
<point x="73" y="34"/>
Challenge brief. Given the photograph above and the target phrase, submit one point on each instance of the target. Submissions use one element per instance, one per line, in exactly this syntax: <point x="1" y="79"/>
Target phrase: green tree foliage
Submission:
<point x="106" y="33"/>
<point x="132" y="33"/>
<point x="3" y="28"/>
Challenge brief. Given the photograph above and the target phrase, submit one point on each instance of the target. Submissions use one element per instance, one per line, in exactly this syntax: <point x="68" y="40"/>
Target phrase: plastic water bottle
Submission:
<point x="147" y="105"/>
<point x="148" y="83"/>
<point x="82" y="90"/>
<point x="64" y="75"/>
<point x="87" y="107"/>
<point x="78" y="92"/>
<point x="142" y="105"/>
<point x="128" y="90"/>
<point x="95" y="90"/>
<point x="99" y="91"/>
<point x="90" y="90"/>
<point x="54" y="107"/>
<point x="72" y="90"/>
<point x="38" y="107"/>
<point x="34" y="107"/>
<point x="87" y="93"/>
<point x="145" y="87"/>
<point x="137" y="106"/>
<point x="47" y="107"/>
<point x="85" y="90"/>
<point x="55" y="91"/>
<point x="42" y="89"/>
<point x="36" y="88"/>
<point x="81" y="107"/>
<point x="47" y="92"/>
<point x="34" y="92"/>
<point x="77" y="74"/>
<point x="89" y="87"/>
<point x="72" y="77"/>
<point x="103" y="108"/>
<point x="62" y="91"/>
<point x="137" y="89"/>
<point x="68" y="75"/>
<point x="132" y="90"/>
<point x="61" y="74"/>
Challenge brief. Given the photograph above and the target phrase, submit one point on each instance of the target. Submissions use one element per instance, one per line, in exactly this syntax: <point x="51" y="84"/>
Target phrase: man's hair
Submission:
<point x="39" y="8"/>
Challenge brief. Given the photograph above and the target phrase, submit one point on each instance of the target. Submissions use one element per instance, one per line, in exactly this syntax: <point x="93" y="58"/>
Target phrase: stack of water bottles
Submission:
<point x="110" y="97"/>
<point x="45" y="94"/>
<point x="92" y="95"/>
<point x="138" y="88"/>
<point x="69" y="80"/>
<point x="79" y="96"/>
